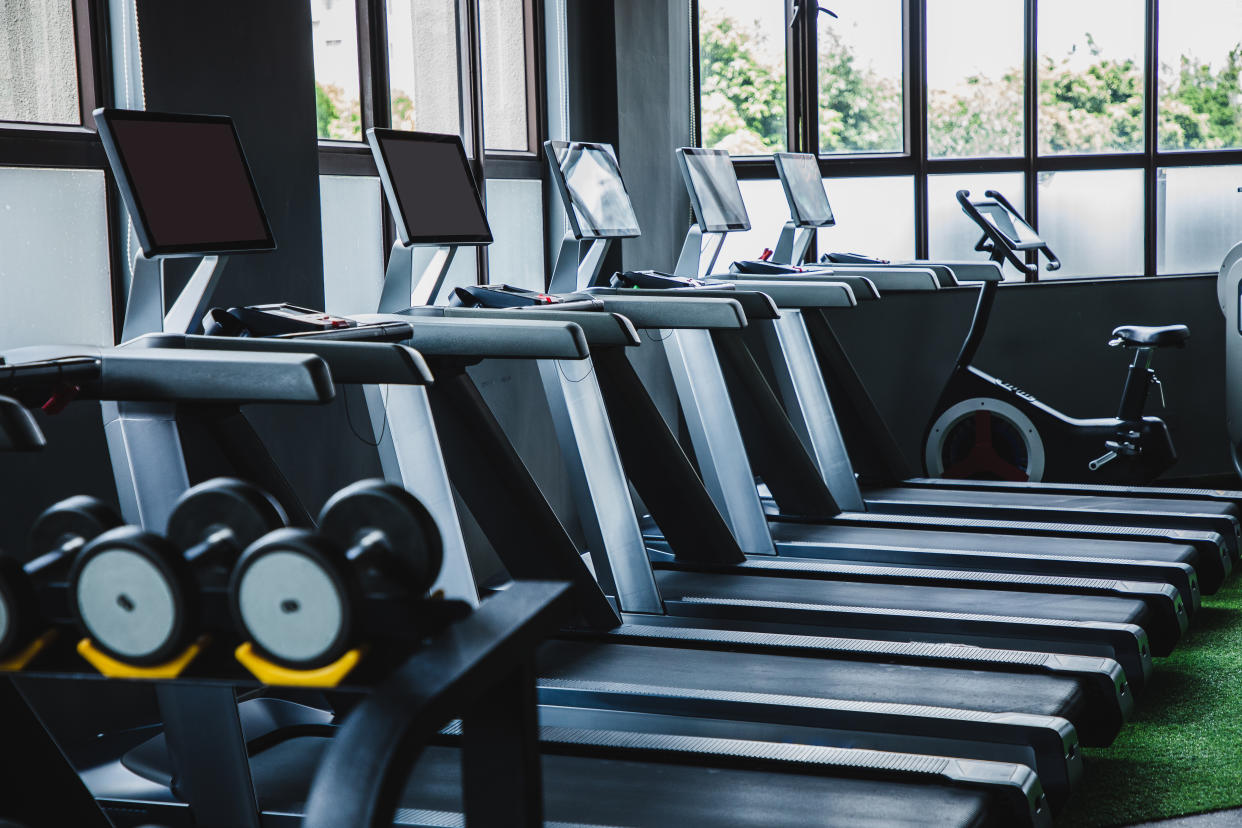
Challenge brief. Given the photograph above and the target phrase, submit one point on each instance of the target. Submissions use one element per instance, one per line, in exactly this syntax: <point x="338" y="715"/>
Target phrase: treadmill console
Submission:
<point x="762" y="267"/>
<point x="501" y="296"/>
<point x="852" y="258"/>
<point x="271" y="320"/>
<point x="655" y="280"/>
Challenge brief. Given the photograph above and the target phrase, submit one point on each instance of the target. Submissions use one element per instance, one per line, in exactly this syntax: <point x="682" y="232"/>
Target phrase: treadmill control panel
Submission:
<point x="501" y="296"/>
<point x="655" y="280"/>
<point x="271" y="320"/>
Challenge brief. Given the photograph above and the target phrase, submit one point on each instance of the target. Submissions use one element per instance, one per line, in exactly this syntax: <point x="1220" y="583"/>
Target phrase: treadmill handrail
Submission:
<point x="602" y="329"/>
<point x="755" y="305"/>
<point x="478" y="333"/>
<point x="176" y="375"/>
<point x="18" y="429"/>
<point x="793" y="293"/>
<point x="365" y="363"/>
<point x="649" y="312"/>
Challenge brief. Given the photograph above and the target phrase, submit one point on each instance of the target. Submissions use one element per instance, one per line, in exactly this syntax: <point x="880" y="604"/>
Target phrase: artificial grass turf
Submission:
<point x="1181" y="752"/>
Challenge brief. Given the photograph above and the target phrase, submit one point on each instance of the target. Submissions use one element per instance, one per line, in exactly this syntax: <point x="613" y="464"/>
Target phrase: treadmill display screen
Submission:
<point x="714" y="191"/>
<point x="430" y="187"/>
<point x="1018" y="232"/>
<point x="595" y="197"/>
<point x="804" y="189"/>
<point x="185" y="181"/>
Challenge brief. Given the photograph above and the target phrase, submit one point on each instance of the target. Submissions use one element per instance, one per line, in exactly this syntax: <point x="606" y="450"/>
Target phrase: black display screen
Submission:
<point x="430" y="187"/>
<point x="589" y="180"/>
<point x="714" y="191"/>
<point x="804" y="189"/>
<point x="186" y="182"/>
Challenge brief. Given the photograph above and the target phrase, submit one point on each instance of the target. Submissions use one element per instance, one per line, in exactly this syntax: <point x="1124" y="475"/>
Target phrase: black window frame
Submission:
<point x="802" y="91"/>
<point x="348" y="158"/>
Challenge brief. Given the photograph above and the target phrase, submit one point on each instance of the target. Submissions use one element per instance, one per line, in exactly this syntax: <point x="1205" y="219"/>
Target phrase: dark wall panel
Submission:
<point x="1051" y="340"/>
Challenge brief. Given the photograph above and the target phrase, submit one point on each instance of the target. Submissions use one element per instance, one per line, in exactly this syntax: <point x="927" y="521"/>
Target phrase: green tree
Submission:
<point x="1199" y="107"/>
<point x="859" y="109"/>
<point x="742" y="98"/>
<point x="325" y="112"/>
<point x="1099" y="109"/>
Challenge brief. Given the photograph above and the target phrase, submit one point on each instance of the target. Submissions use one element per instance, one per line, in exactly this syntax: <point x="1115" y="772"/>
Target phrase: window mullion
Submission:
<point x="1030" y="108"/>
<point x="915" y="51"/>
<point x="1151" y="139"/>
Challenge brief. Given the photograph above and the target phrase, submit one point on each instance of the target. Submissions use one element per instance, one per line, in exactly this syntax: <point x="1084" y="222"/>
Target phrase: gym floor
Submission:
<point x="1182" y="752"/>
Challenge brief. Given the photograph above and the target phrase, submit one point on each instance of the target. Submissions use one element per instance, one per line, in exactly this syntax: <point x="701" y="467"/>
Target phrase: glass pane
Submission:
<point x="974" y="96"/>
<point x="424" y="65"/>
<point x="742" y="75"/>
<point x="1093" y="221"/>
<point x="55" y="269"/>
<point x="515" y="211"/>
<point x="875" y="217"/>
<point x="334" y="26"/>
<point x="1200" y="61"/>
<point x="1091" y="76"/>
<point x="1199" y="217"/>
<point x="503" y="33"/>
<point x="951" y="234"/>
<point x="38" y="64"/>
<point x="860" y="77"/>
<point x="353" y="243"/>
<point x="765" y="202"/>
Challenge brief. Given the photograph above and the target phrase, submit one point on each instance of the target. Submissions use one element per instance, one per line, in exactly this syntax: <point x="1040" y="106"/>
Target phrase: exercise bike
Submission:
<point x="985" y="428"/>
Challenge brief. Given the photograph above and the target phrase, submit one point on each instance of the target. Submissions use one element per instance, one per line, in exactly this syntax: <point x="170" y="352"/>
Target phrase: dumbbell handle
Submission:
<point x="61" y="554"/>
<point x="372" y="549"/>
<point x="213" y="546"/>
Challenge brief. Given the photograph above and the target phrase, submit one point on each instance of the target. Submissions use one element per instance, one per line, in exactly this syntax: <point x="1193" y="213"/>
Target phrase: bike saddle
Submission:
<point x="1140" y="336"/>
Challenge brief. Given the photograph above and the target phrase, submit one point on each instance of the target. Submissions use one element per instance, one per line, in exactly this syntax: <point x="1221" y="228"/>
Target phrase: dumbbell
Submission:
<point x="296" y="595"/>
<point x="57" y="535"/>
<point x="136" y="594"/>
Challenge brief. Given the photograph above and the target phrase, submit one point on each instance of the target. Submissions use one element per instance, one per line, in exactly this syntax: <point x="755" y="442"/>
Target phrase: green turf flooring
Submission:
<point x="1181" y="753"/>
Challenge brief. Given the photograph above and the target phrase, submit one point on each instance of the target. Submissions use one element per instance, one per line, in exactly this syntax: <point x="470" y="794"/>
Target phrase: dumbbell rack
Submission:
<point x="475" y="666"/>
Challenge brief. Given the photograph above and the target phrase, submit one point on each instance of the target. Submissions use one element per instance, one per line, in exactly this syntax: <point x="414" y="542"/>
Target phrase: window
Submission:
<point x="1091" y="76"/>
<point x="338" y="105"/>
<point x="952" y="234"/>
<point x="58" y="283"/>
<point x="1199" y="217"/>
<point x="1200" y="61"/>
<point x="875" y="217"/>
<point x="503" y="33"/>
<point x="742" y="75"/>
<point x="860" y="77"/>
<point x="352" y="224"/>
<point x="974" y="95"/>
<point x="425" y="89"/>
<point x="1093" y="221"/>
<point x="38" y="63"/>
<point x="1115" y="126"/>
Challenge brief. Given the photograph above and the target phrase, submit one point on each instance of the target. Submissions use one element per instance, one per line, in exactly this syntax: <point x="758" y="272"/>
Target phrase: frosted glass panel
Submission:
<point x="951" y="234"/>
<point x="515" y="211"/>
<point x="54" y="258"/>
<point x="1200" y="217"/>
<point x="765" y="202"/>
<point x="875" y="217"/>
<point x="463" y="271"/>
<point x="1093" y="221"/>
<point x="353" y="243"/>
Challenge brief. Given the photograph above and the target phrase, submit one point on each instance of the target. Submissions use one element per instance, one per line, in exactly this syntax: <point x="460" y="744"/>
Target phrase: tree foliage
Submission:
<point x="339" y="117"/>
<point x="1096" y="107"/>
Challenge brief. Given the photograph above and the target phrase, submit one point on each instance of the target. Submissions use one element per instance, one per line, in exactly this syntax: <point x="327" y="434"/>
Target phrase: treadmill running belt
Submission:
<point x="601" y="792"/>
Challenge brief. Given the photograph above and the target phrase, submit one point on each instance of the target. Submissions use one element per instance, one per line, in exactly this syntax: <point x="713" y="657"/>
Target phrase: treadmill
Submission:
<point x="893" y="488"/>
<point x="726" y="788"/>
<point x="858" y="608"/>
<point x="720" y="673"/>
<point x="801" y="385"/>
